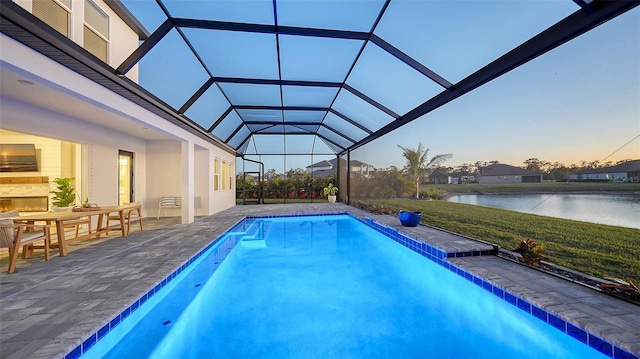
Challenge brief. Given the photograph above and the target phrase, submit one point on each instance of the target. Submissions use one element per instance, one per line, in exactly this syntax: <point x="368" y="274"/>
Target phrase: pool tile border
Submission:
<point x="439" y="256"/>
<point x="428" y="251"/>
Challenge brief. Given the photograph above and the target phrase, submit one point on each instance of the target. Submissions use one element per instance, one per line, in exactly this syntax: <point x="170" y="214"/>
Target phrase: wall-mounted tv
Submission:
<point x="18" y="158"/>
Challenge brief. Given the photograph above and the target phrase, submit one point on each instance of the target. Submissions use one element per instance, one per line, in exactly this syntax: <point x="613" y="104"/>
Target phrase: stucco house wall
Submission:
<point x="502" y="173"/>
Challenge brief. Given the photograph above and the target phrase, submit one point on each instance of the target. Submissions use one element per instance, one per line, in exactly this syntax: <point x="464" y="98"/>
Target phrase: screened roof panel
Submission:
<point x="245" y="147"/>
<point x="491" y="29"/>
<point x="248" y="11"/>
<point x="308" y="128"/>
<point x="360" y="111"/>
<point x="334" y="137"/>
<point x="260" y="115"/>
<point x="265" y="144"/>
<point x="308" y="95"/>
<point x="257" y="128"/>
<point x="172" y="62"/>
<point x="229" y="124"/>
<point x="223" y="57"/>
<point x="320" y="147"/>
<point x="299" y="144"/>
<point x="250" y="94"/>
<point x="335" y="148"/>
<point x="294" y="129"/>
<point x="330" y="14"/>
<point x="279" y="129"/>
<point x="304" y="116"/>
<point x="238" y="137"/>
<point x="148" y="13"/>
<point x="249" y="147"/>
<point x="399" y="87"/>
<point x="317" y="58"/>
<point x="208" y="108"/>
<point x="359" y="68"/>
<point x="342" y="126"/>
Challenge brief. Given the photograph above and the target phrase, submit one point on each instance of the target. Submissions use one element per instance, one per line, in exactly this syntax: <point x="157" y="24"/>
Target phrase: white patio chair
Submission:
<point x="169" y="202"/>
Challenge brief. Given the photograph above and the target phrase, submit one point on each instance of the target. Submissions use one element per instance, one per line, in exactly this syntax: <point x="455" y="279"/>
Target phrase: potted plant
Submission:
<point x="330" y="192"/>
<point x="64" y="195"/>
<point x="409" y="219"/>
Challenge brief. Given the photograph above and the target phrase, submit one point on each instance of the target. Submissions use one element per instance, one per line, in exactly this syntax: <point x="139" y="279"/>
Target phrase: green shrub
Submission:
<point x="432" y="193"/>
<point x="64" y="196"/>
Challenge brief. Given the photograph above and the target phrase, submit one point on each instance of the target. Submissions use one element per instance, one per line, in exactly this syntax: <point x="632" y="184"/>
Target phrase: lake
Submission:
<point x="611" y="209"/>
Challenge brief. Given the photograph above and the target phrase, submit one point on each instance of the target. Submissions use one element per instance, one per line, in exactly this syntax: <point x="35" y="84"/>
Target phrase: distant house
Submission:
<point x="501" y="173"/>
<point x="624" y="172"/>
<point x="438" y="177"/>
<point x="326" y="168"/>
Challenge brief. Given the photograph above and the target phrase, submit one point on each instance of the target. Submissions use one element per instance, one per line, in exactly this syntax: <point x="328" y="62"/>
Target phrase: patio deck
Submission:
<point x="48" y="308"/>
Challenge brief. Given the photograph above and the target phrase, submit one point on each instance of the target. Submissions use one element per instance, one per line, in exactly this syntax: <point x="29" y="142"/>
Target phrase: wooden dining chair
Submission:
<point x="14" y="235"/>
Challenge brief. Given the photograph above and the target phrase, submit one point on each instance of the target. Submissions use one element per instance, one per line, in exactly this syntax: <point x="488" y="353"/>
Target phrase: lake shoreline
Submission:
<point x="448" y="193"/>
<point x="449" y="190"/>
<point x="614" y="208"/>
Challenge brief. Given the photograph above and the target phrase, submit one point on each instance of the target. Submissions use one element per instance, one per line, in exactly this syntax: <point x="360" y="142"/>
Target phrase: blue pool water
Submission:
<point x="327" y="287"/>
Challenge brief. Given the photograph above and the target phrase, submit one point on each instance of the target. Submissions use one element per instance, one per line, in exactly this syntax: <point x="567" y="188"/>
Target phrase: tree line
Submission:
<point x="553" y="171"/>
<point x="394" y="182"/>
<point x="293" y="184"/>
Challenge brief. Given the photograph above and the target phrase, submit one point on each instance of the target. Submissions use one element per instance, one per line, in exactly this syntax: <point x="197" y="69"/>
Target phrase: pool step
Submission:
<point x="254" y="237"/>
<point x="251" y="230"/>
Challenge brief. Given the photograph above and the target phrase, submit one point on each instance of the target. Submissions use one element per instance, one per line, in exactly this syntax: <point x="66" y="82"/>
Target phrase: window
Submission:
<point x="225" y="171"/>
<point x="216" y="174"/>
<point x="53" y="13"/>
<point x="96" y="30"/>
<point x="231" y="176"/>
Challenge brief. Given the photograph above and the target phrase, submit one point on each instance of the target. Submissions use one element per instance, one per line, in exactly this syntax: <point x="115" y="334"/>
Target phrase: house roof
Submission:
<point x="234" y="74"/>
<point x="439" y="174"/>
<point x="323" y="163"/>
<point x="332" y="163"/>
<point x="500" y="169"/>
<point x="629" y="166"/>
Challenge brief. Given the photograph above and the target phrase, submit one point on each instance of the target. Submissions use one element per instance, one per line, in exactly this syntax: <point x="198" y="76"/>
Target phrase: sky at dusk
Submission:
<point x="578" y="102"/>
<point x="581" y="101"/>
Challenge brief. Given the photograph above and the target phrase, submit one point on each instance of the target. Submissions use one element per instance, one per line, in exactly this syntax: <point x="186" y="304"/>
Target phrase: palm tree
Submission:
<point x="418" y="163"/>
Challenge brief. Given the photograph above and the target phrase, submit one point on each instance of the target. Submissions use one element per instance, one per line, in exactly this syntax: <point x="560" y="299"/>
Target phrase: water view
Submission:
<point x="611" y="209"/>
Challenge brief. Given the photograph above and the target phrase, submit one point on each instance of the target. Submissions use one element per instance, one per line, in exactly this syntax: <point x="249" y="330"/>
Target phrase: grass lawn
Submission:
<point x="595" y="249"/>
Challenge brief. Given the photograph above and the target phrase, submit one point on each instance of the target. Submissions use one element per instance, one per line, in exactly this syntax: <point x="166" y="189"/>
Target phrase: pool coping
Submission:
<point x="429" y="251"/>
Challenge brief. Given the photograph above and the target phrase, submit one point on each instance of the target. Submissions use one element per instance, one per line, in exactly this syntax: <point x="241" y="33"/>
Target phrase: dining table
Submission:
<point x="61" y="217"/>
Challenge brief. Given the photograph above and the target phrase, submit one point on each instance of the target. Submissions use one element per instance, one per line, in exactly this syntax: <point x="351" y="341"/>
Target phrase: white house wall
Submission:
<point x="157" y="163"/>
<point x="102" y="175"/>
<point x="613" y="176"/>
<point x="499" y="179"/>
<point x="202" y="182"/>
<point x="163" y="171"/>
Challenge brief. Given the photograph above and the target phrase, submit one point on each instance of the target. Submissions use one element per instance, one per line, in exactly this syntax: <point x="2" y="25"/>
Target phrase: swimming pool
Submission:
<point x="328" y="286"/>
